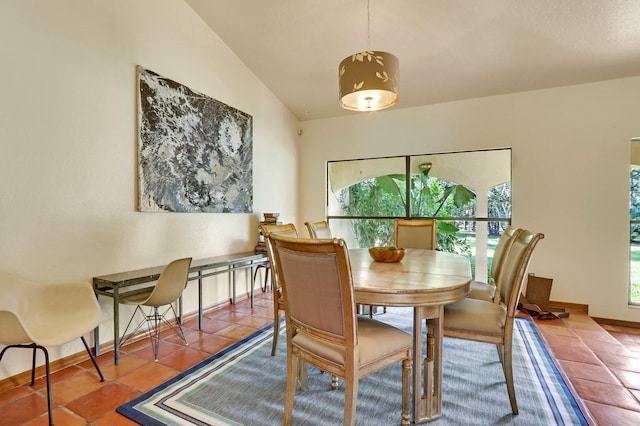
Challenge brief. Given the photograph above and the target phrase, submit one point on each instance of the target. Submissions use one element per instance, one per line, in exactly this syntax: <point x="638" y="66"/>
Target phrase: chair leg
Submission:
<point x="508" y="375"/>
<point x="335" y="382"/>
<point x="33" y="366"/>
<point x="33" y="371"/>
<point x="155" y="336"/>
<point x="48" y="374"/>
<point x="255" y="273"/>
<point x="154" y="320"/>
<point x="276" y="327"/>
<point x="500" y="349"/>
<point x="406" y="391"/>
<point x="303" y="375"/>
<point x="371" y="309"/>
<point x="266" y="277"/>
<point x="93" y="359"/>
<point x="35" y="346"/>
<point x="263" y="287"/>
<point x="176" y="329"/>
<point x="125" y="338"/>
<point x="350" y="397"/>
<point x="47" y="368"/>
<point x="292" y="377"/>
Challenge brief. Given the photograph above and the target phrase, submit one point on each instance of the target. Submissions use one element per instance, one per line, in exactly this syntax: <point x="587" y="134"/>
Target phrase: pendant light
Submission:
<point x="368" y="80"/>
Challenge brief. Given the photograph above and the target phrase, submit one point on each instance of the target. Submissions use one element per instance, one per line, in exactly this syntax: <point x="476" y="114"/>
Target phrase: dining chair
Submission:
<point x="487" y="291"/>
<point x="489" y="322"/>
<point x="415" y="233"/>
<point x="36" y="316"/>
<point x="264" y="265"/>
<point x="323" y="328"/>
<point x="287" y="229"/>
<point x="412" y="233"/>
<point x="319" y="229"/>
<point x="166" y="292"/>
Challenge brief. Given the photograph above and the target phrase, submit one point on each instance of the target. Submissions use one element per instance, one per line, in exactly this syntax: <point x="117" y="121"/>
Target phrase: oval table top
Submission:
<point x="422" y="278"/>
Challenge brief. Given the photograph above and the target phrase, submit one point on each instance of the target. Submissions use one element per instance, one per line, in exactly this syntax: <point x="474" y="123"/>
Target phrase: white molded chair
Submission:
<point x="489" y="322"/>
<point x="487" y="291"/>
<point x="167" y="290"/>
<point x="37" y="316"/>
<point x="329" y="334"/>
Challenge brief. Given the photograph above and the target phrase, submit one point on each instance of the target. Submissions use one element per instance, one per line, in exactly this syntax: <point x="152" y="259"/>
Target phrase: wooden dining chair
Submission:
<point x="287" y="229"/>
<point x="323" y="328"/>
<point x="489" y="322"/>
<point x="487" y="291"/>
<point x="319" y="229"/>
<point x="412" y="233"/>
<point x="415" y="233"/>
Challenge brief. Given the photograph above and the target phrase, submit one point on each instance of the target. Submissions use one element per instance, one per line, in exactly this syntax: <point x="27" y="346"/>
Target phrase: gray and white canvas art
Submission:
<point x="194" y="152"/>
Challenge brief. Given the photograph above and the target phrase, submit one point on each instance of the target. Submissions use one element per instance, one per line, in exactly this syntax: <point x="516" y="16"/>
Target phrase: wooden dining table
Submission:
<point x="425" y="280"/>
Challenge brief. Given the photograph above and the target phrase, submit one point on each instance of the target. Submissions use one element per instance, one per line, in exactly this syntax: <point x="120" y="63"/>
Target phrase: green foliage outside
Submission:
<point x="429" y="197"/>
<point x="492" y="242"/>
<point x="634" y="201"/>
<point x="385" y="196"/>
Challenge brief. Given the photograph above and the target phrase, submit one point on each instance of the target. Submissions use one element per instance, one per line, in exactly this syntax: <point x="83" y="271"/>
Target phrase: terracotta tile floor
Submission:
<point x="602" y="366"/>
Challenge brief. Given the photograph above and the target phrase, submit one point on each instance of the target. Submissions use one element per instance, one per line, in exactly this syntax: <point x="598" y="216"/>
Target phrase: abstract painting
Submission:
<point x="194" y="152"/>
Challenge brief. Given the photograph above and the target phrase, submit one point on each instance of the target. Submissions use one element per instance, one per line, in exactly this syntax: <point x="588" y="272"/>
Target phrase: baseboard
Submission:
<point x="616" y="323"/>
<point x="585" y="309"/>
<point x="569" y="306"/>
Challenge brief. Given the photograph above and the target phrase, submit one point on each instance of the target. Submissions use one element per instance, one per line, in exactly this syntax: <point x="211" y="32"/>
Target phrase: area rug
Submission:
<point x="245" y="385"/>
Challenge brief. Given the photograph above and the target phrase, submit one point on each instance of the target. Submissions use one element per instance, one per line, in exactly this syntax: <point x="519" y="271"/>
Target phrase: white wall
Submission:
<point x="570" y="149"/>
<point x="68" y="138"/>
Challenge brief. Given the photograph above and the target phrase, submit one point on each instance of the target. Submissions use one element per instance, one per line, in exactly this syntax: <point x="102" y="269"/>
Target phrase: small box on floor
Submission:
<point x="536" y="299"/>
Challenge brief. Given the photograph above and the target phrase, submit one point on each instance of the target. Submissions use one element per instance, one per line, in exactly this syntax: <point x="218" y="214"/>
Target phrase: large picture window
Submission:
<point x="469" y="193"/>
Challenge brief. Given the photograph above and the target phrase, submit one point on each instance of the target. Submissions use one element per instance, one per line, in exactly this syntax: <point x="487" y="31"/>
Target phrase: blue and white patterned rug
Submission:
<point x="245" y="385"/>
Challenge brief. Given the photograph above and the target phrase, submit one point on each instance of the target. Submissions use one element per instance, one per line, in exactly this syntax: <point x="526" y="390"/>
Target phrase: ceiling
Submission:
<point x="448" y="49"/>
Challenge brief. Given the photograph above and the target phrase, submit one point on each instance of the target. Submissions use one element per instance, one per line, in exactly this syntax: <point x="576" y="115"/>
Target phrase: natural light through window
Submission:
<point x="468" y="193"/>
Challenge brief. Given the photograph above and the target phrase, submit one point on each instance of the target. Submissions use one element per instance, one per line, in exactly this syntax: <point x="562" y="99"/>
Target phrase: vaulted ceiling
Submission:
<point x="448" y="49"/>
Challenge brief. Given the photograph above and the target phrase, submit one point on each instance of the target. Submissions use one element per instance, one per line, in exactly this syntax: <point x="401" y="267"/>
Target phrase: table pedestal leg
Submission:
<point x="427" y="373"/>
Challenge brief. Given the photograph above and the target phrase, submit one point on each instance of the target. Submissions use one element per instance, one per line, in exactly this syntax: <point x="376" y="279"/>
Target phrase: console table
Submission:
<point x="113" y="285"/>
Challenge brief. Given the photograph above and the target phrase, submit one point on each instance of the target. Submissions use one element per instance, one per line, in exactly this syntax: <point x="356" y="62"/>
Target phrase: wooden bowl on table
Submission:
<point x="386" y="254"/>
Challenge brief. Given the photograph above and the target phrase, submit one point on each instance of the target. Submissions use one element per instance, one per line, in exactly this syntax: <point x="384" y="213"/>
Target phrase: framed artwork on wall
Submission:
<point x="195" y="154"/>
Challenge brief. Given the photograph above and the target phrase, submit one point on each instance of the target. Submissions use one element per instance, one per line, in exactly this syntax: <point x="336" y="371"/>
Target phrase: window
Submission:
<point x="469" y="193"/>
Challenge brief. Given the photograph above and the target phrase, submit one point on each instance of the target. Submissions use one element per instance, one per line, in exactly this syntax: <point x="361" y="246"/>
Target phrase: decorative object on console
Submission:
<point x="269" y="218"/>
<point x="261" y="247"/>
